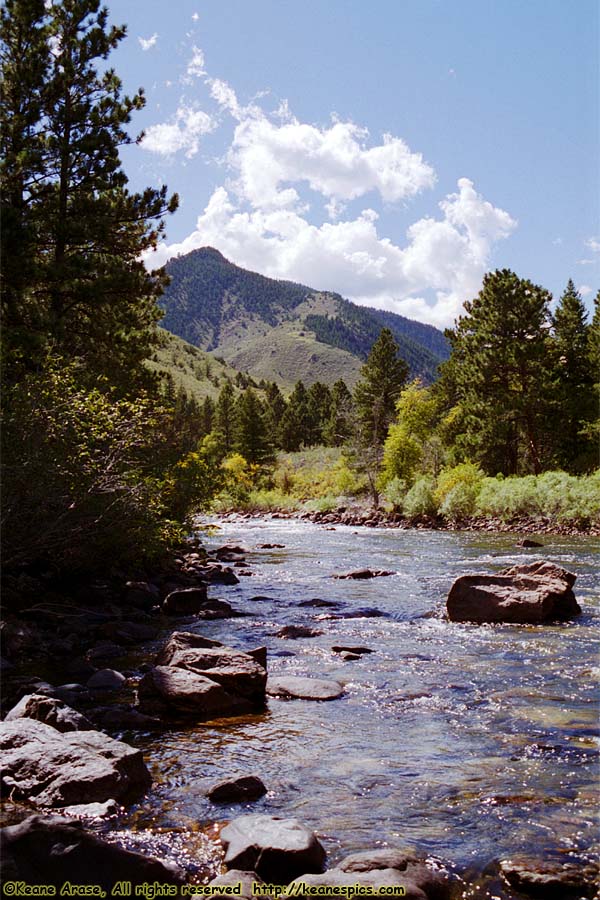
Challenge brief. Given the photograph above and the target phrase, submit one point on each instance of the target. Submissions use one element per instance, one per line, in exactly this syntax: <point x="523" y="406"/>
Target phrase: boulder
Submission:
<point x="237" y="790"/>
<point x="357" y="651"/>
<point x="278" y="850"/>
<point x="248" y="881"/>
<point x="129" y="633"/>
<point x="141" y="595"/>
<point x="123" y="717"/>
<point x="236" y="671"/>
<point x="296" y="687"/>
<point x="529" y="544"/>
<point x="106" y="680"/>
<point x="217" y="574"/>
<point x="361" y="574"/>
<point x="317" y="603"/>
<point x="292" y="632"/>
<point x="53" y="850"/>
<point x="363" y="612"/>
<point x="49" y="768"/>
<point x="528" y="594"/>
<point x="183" y="640"/>
<point x="420" y="879"/>
<point x="50" y="710"/>
<point x="184" y="601"/>
<point x="168" y="690"/>
<point x="91" y="810"/>
<point x="552" y="880"/>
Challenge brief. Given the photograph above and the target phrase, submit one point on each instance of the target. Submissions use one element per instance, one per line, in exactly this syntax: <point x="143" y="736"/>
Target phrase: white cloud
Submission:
<point x="593" y="244"/>
<point x="195" y="17"/>
<point x="182" y="133"/>
<point x="148" y="43"/>
<point x="586" y="262"/>
<point x="585" y="289"/>
<point x="195" y="67"/>
<point x="447" y="256"/>
<point x="225" y="96"/>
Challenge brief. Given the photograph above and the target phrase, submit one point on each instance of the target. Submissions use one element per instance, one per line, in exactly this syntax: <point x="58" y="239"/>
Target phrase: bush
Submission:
<point x="395" y="492"/>
<point x="457" y="489"/>
<point x="555" y="495"/>
<point x="420" y="499"/>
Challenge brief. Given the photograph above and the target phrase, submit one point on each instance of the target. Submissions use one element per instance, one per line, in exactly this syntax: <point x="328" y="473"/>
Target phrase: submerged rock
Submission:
<point x="51" y="711"/>
<point x="276" y="849"/>
<point x="50" y="768"/>
<point x="296" y="687"/>
<point x="552" y="880"/>
<point x="527" y="594"/>
<point x="53" y="850"/>
<point x="237" y="790"/>
<point x="292" y="632"/>
<point x="361" y="574"/>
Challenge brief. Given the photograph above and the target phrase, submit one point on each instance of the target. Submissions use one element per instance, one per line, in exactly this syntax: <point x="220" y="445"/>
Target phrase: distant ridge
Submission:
<point x="281" y="330"/>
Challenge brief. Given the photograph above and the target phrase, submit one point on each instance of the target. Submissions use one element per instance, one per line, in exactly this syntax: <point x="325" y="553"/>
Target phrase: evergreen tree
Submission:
<point x="251" y="433"/>
<point x="574" y="387"/>
<point x="319" y="410"/>
<point x="499" y="375"/>
<point x="294" y="422"/>
<point x="225" y="416"/>
<point x="207" y="414"/>
<point x="338" y="427"/>
<point x="274" y="412"/>
<point x="382" y="378"/>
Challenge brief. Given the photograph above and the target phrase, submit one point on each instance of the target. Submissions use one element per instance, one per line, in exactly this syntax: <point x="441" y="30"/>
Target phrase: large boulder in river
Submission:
<point x="276" y="849"/>
<point x="48" y="768"/>
<point x="185" y="601"/>
<point x="50" y="710"/>
<point x="170" y="691"/>
<point x="52" y="850"/>
<point x="530" y="594"/>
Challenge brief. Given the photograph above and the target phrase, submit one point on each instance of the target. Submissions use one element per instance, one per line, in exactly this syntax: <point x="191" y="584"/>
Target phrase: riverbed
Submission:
<point x="471" y="743"/>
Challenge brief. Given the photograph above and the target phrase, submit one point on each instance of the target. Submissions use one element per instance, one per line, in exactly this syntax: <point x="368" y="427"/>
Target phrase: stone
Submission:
<point x="363" y="612"/>
<point x="217" y="574"/>
<point x="270" y="546"/>
<point x="361" y="574"/>
<point x="420" y="879"/>
<point x="50" y="710"/>
<point x="316" y="603"/>
<point x="358" y="651"/>
<point x="230" y="553"/>
<point x="235" y="670"/>
<point x="49" y="768"/>
<point x="296" y="687"/>
<point x="552" y="880"/>
<point x="141" y="595"/>
<point x="237" y="790"/>
<point x="183" y="640"/>
<point x="247" y="880"/>
<point x="130" y="633"/>
<point x="173" y="691"/>
<point x="106" y="680"/>
<point x="184" y="601"/>
<point x="527" y="542"/>
<point x="292" y="632"/>
<point x="278" y="850"/>
<point x="259" y="655"/>
<point x="53" y="850"/>
<point x="124" y="718"/>
<point x="528" y="594"/>
<point x="92" y="810"/>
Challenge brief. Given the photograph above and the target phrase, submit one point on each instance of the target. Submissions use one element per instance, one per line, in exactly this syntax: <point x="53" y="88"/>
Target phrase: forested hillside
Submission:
<point x="223" y="308"/>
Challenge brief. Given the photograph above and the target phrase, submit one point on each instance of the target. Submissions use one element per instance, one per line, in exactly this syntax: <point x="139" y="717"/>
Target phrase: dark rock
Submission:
<point x="53" y="850"/>
<point x="50" y="710"/>
<point x="349" y="657"/>
<point x="259" y="655"/>
<point x="130" y="633"/>
<point x="528" y="594"/>
<point x="552" y="880"/>
<point x="359" y="651"/>
<point x="363" y="612"/>
<point x="104" y="650"/>
<point x="295" y="687"/>
<point x="141" y="595"/>
<point x="317" y="604"/>
<point x="49" y="768"/>
<point x="270" y="546"/>
<point x="183" y="640"/>
<point x="361" y="574"/>
<point x="124" y="718"/>
<point x="259" y="599"/>
<point x="527" y="542"/>
<point x="248" y="881"/>
<point x="292" y="632"/>
<point x="420" y="879"/>
<point x="217" y="574"/>
<point x="237" y="790"/>
<point x="276" y="849"/>
<point x="106" y="680"/>
<point x="173" y="691"/>
<point x="230" y="553"/>
<point x="184" y="601"/>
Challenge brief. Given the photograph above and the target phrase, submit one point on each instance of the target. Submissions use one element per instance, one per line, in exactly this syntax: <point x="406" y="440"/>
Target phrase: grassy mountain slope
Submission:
<point x="199" y="373"/>
<point x="283" y="331"/>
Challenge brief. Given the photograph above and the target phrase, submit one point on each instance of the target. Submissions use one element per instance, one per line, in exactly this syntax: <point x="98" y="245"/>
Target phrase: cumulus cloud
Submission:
<point x="195" y="67"/>
<point x="148" y="43"/>
<point x="585" y="289"/>
<point x="183" y="132"/>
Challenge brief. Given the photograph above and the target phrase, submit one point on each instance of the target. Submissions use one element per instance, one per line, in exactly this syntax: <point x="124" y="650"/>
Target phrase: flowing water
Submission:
<point x="467" y="742"/>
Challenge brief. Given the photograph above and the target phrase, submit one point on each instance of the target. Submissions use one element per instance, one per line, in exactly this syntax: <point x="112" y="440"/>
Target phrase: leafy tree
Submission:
<point x="225" y="416"/>
<point x="382" y="378"/>
<point x="499" y="376"/>
<point x="251" y="433"/>
<point x="573" y="388"/>
<point x="408" y="437"/>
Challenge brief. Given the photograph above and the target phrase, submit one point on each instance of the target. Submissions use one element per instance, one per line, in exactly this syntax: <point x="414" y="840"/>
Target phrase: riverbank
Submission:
<point x="319" y="761"/>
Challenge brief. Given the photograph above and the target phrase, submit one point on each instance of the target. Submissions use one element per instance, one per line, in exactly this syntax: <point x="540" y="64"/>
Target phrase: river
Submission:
<point x="467" y="742"/>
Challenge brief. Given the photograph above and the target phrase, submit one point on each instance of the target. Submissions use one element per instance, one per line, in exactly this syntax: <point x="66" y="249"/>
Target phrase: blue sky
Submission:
<point x="392" y="151"/>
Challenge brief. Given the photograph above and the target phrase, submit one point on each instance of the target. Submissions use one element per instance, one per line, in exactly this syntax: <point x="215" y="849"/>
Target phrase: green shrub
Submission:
<point x="420" y="499"/>
<point x="395" y="492"/>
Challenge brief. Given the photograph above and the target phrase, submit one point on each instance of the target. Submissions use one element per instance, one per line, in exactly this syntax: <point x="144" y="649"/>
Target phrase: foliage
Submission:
<point x="555" y="495"/>
<point x="420" y="500"/>
<point x="394" y="492"/>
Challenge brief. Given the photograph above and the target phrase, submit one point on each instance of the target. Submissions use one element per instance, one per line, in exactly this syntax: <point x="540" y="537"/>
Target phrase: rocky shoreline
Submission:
<point x="66" y="762"/>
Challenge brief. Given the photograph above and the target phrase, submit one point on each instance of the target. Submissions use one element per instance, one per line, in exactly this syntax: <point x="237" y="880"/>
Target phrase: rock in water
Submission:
<point x="167" y="690"/>
<point x="361" y="574"/>
<point x="52" y="850"/>
<point x="237" y="790"/>
<point x="276" y="849"/>
<point x="530" y="594"/>
<point x="49" y="768"/>
<point x="51" y="711"/>
<point x="297" y="687"/>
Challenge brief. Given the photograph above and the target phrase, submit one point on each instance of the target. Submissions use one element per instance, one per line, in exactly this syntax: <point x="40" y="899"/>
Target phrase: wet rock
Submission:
<point x="50" y="710"/>
<point x="276" y="849"/>
<point x="292" y="632"/>
<point x="248" y="881"/>
<point x="259" y="599"/>
<point x="552" y="880"/>
<point x="358" y="651"/>
<point x="49" y="768"/>
<point x="259" y="655"/>
<point x="217" y="574"/>
<point x="53" y="850"/>
<point x="130" y="633"/>
<point x="363" y="612"/>
<point x="237" y="790"/>
<point x="92" y="810"/>
<point x="141" y="595"/>
<point x="361" y="574"/>
<point x="528" y="594"/>
<point x="296" y="687"/>
<point x="106" y="680"/>
<point x="270" y="546"/>
<point x="528" y="543"/>
<point x="124" y="718"/>
<point x="167" y="690"/>
<point x="230" y="553"/>
<point x="316" y="603"/>
<point x="184" y="601"/>
<point x="349" y="657"/>
<point x="183" y="640"/>
<point x="420" y="879"/>
<point x="103" y="650"/>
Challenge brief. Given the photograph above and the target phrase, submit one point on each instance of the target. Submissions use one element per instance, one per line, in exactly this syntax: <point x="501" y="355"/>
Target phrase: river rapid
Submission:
<point x="471" y="743"/>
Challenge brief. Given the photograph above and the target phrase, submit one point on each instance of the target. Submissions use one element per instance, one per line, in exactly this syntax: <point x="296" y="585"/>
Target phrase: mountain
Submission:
<point x="197" y="372"/>
<point x="283" y="331"/>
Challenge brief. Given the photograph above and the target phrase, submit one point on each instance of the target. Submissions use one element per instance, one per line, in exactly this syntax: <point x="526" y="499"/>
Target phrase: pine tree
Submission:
<point x="251" y="433"/>
<point x="338" y="427"/>
<point x="574" y="387"/>
<point x="294" y="422"/>
<point x="225" y="417"/>
<point x="275" y="409"/>
<point x="382" y="378"/>
<point x="499" y="376"/>
<point x="319" y="410"/>
<point x="207" y="414"/>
